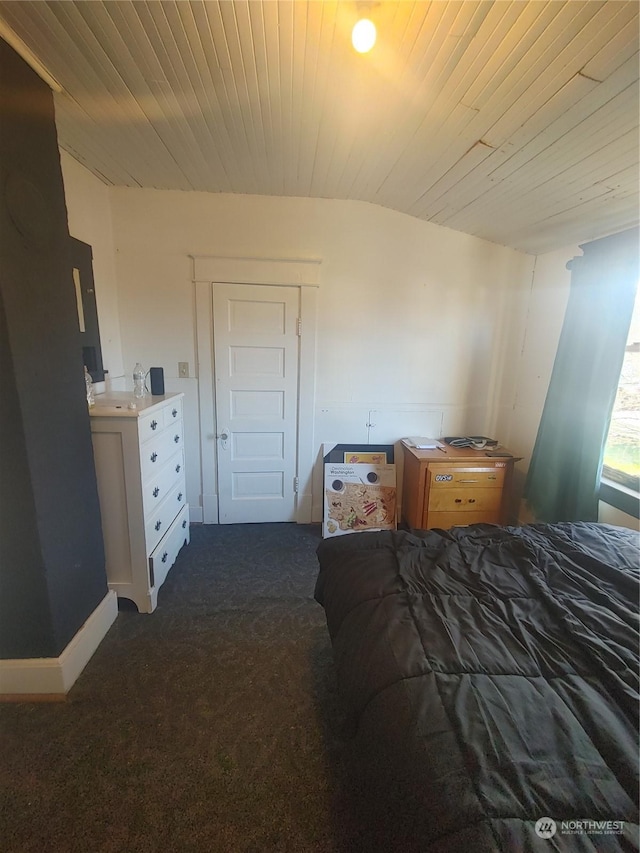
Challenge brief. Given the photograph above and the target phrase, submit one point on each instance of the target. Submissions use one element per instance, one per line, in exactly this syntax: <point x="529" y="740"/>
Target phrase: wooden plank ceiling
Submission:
<point x="513" y="121"/>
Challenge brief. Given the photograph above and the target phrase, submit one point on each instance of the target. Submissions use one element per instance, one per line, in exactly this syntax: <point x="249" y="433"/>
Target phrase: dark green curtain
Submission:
<point x="564" y="475"/>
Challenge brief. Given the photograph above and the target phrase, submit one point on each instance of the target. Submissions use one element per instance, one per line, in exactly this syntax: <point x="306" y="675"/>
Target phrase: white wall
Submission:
<point x="610" y="515"/>
<point x="411" y="315"/>
<point x="542" y="306"/>
<point x="89" y="216"/>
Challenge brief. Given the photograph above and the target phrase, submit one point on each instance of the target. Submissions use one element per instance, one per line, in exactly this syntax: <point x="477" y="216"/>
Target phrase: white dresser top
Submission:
<point x="123" y="404"/>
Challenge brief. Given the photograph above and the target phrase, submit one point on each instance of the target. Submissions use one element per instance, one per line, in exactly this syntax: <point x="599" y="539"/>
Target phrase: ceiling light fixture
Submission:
<point x="363" y="35"/>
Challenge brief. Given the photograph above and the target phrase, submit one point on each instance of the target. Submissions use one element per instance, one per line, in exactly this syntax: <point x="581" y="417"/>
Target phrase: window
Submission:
<point x="622" y="452"/>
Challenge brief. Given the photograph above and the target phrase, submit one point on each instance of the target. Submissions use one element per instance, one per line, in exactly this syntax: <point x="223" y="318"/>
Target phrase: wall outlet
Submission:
<point x="183" y="369"/>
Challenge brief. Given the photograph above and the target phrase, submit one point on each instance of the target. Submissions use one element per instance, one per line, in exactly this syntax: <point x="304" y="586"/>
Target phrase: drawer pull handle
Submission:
<point x="178" y="468"/>
<point x="458" y="500"/>
<point x="153" y="456"/>
<point x="158" y="525"/>
<point x="472" y="500"/>
<point x="164" y="557"/>
<point x="174" y="412"/>
<point x="179" y="496"/>
<point x="176" y="438"/>
<point x="154" y="424"/>
<point x="184" y="523"/>
<point x="156" y="492"/>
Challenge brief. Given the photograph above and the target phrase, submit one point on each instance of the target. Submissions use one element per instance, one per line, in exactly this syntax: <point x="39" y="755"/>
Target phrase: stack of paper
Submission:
<point x="422" y="443"/>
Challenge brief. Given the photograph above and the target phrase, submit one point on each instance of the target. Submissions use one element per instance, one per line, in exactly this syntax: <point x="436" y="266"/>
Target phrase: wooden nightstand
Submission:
<point x="457" y="486"/>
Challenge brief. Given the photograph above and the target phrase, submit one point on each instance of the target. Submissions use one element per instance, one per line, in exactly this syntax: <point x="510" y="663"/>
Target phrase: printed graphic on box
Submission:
<point x="371" y="458"/>
<point x="358" y="497"/>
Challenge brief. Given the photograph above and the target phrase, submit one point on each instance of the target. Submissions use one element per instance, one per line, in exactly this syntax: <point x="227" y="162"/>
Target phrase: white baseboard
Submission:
<point x="195" y="514"/>
<point x="305" y="513"/>
<point x="210" y="509"/>
<point x="58" y="675"/>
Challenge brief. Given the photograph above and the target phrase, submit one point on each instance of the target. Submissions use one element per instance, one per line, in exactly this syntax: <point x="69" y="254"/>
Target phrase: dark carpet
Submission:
<point x="212" y="724"/>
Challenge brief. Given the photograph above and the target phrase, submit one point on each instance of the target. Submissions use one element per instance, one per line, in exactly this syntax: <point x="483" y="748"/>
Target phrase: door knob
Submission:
<point x="224" y="437"/>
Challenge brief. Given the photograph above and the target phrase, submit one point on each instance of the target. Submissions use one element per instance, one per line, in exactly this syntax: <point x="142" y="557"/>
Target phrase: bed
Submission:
<point x="489" y="679"/>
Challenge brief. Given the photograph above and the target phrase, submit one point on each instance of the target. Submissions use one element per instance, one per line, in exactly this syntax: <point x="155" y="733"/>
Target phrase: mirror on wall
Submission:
<point x="82" y="268"/>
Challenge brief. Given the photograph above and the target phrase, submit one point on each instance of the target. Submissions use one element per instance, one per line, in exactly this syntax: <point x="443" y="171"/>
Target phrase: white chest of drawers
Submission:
<point x="139" y="459"/>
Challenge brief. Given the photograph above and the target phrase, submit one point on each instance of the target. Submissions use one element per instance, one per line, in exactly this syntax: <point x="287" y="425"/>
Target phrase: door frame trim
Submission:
<point x="207" y="271"/>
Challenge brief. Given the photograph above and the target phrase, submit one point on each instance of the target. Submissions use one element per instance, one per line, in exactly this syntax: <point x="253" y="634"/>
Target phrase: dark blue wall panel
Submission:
<point x="51" y="550"/>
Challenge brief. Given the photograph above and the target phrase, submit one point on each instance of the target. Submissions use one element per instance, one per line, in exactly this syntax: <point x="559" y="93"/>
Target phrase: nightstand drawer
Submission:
<point x="156" y="488"/>
<point x="464" y="499"/>
<point x="154" y="454"/>
<point x="446" y="520"/>
<point x="448" y="477"/>
<point x="158" y="524"/>
<point x="165" y="553"/>
<point x="173" y="413"/>
<point x="150" y="426"/>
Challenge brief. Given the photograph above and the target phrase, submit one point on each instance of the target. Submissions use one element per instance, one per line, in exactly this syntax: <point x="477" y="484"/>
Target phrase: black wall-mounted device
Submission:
<point x="156" y="377"/>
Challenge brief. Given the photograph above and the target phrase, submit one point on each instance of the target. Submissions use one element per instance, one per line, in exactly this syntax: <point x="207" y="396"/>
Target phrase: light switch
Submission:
<point x="183" y="369"/>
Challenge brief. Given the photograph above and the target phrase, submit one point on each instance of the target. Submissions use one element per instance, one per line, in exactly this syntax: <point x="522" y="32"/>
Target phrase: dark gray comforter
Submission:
<point x="490" y="677"/>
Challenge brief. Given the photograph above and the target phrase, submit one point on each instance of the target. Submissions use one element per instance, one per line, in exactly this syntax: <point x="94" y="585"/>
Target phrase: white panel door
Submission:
<point x="256" y="380"/>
